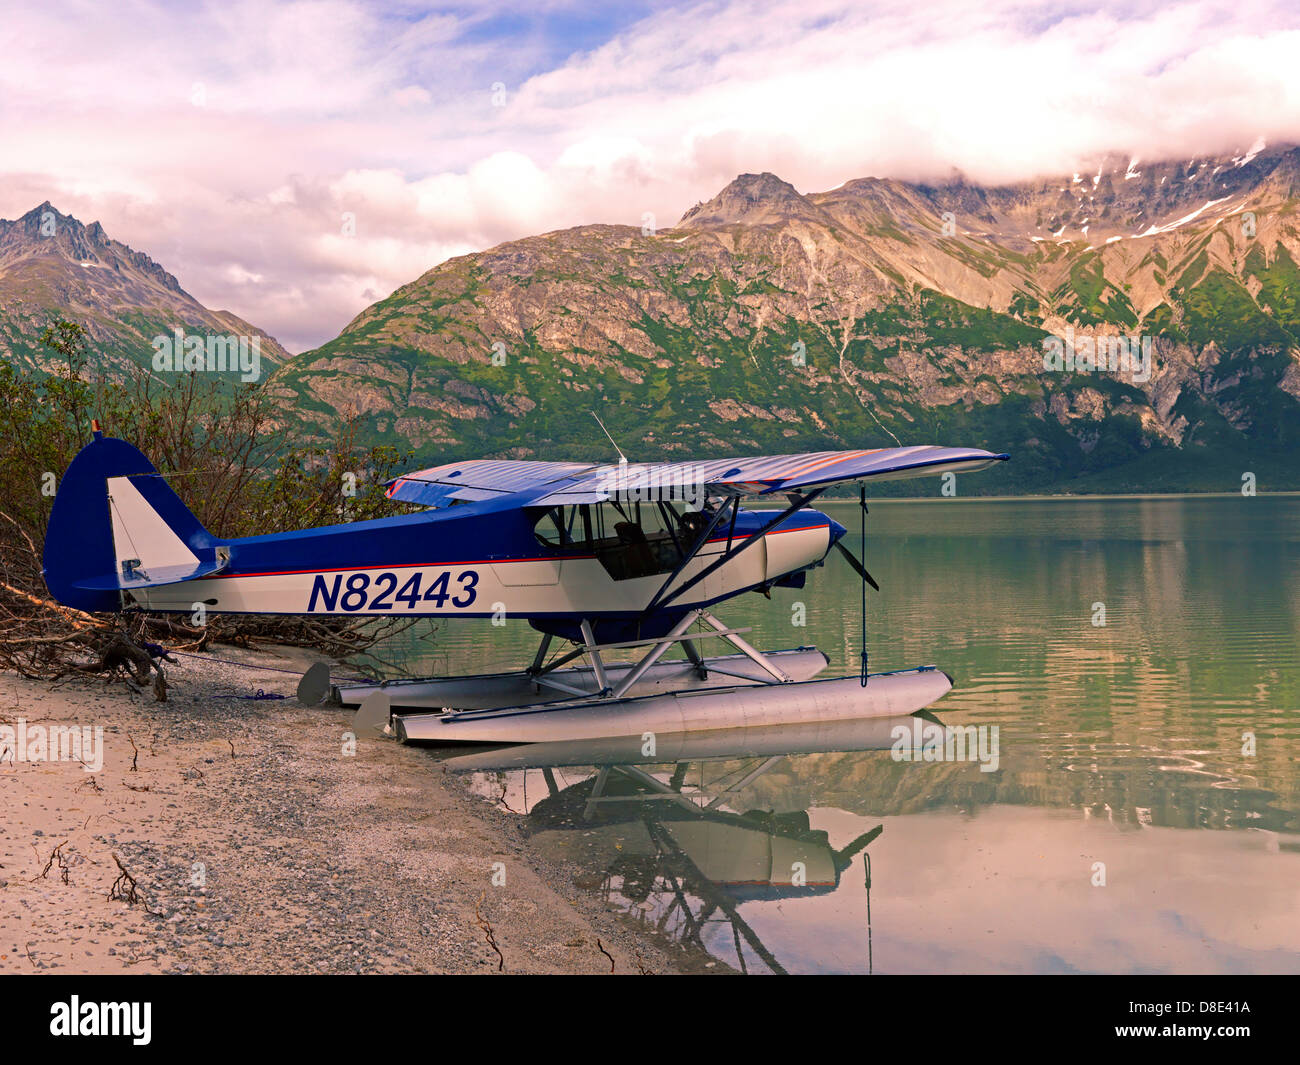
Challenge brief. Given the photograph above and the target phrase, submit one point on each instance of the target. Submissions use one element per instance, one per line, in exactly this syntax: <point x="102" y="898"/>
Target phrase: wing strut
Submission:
<point x="797" y="502"/>
<point x="700" y="541"/>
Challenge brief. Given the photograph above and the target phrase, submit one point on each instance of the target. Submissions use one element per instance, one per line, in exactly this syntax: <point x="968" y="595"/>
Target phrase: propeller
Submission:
<point x="858" y="567"/>
<point x="844" y="857"/>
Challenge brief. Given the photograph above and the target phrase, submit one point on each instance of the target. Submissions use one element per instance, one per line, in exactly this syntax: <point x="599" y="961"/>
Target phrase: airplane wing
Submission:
<point x="767" y="474"/>
<point x="477" y="479"/>
<point x="566" y="483"/>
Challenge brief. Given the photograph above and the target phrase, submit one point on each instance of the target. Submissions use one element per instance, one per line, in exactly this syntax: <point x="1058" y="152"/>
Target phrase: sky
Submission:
<point x="294" y="162"/>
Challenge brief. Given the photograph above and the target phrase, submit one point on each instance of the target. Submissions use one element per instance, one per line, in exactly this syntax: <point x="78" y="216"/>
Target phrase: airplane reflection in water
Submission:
<point x="974" y="872"/>
<point x="673" y="849"/>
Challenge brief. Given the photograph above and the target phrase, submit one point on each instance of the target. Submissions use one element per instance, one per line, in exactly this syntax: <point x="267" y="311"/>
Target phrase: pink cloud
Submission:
<point x="228" y="142"/>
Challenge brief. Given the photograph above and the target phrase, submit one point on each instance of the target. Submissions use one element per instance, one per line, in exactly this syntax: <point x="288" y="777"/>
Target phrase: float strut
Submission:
<point x="745" y="648"/>
<point x="597" y="665"/>
<point x="657" y="652"/>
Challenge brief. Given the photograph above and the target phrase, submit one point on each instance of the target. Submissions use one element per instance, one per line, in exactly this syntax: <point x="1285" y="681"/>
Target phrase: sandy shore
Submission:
<point x="259" y="845"/>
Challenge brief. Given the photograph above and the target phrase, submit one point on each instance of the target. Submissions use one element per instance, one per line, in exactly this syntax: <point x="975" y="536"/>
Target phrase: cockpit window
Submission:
<point x="630" y="539"/>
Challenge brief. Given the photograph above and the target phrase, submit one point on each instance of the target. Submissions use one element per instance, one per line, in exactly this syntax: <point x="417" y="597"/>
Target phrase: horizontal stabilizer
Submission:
<point x="151" y="578"/>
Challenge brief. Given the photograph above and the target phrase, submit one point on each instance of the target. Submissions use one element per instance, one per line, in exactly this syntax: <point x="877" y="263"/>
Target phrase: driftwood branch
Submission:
<point x="56" y="855"/>
<point x="125" y="889"/>
<point x="485" y="926"/>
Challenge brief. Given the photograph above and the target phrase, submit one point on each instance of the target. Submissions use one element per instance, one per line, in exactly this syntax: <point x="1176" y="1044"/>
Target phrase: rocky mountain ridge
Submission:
<point x="53" y="266"/>
<point x="769" y="320"/>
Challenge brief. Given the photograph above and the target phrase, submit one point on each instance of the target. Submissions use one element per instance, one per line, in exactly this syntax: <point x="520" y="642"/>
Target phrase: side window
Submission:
<point x="550" y="528"/>
<point x="630" y="538"/>
<point x="564" y="528"/>
<point x="636" y="538"/>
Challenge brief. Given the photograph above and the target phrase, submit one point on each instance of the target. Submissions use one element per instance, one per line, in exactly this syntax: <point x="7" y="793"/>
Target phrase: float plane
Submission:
<point x="606" y="557"/>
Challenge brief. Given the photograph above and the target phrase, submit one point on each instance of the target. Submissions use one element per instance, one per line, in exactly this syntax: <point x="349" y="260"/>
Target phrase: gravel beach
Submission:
<point x="259" y="844"/>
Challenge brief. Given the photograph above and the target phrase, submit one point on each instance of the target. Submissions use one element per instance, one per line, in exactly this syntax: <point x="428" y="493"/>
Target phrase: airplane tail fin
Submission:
<point x="117" y="525"/>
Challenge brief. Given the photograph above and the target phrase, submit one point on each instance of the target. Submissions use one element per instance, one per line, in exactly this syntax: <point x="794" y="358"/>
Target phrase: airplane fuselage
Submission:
<point x="490" y="560"/>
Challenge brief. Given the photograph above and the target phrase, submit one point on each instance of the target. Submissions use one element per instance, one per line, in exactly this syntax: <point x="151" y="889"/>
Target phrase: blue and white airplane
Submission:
<point x="620" y="555"/>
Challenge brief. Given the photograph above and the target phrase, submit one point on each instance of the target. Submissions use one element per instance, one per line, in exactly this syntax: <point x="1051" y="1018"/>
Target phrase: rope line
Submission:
<point x="249" y="665"/>
<point x="866" y="868"/>
<point x="862" y="501"/>
<point x="260" y="695"/>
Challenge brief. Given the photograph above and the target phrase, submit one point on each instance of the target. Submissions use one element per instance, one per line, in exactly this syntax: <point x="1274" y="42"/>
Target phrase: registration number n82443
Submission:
<point x="358" y="592"/>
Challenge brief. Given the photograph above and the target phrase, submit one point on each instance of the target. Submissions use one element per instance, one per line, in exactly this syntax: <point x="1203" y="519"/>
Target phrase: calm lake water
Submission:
<point x="1159" y="753"/>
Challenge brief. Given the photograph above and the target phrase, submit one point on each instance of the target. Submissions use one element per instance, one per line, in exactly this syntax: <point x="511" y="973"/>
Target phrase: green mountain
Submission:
<point x="52" y="266"/>
<point x="881" y="311"/>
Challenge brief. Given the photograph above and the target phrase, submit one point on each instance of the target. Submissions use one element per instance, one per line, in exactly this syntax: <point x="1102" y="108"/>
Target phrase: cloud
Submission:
<point x="229" y="141"/>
